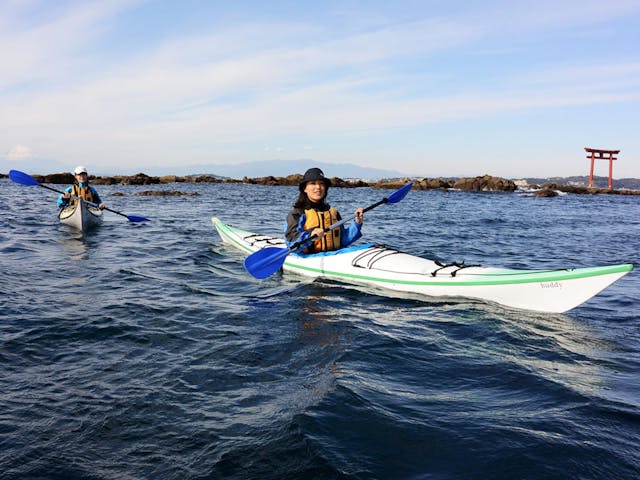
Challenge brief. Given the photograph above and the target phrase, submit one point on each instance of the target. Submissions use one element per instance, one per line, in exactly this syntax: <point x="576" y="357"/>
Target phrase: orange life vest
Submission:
<point x="83" y="192"/>
<point x="316" y="219"/>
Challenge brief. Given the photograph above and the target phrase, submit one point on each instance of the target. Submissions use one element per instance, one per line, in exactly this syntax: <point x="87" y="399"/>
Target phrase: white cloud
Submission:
<point x="20" y="152"/>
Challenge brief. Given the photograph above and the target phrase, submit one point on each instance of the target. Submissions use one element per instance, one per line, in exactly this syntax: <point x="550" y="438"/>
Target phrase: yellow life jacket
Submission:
<point x="316" y="219"/>
<point x="83" y="192"/>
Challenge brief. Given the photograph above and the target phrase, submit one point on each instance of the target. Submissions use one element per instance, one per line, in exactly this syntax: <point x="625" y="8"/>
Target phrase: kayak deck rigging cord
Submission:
<point x="370" y="256"/>
<point x="453" y="264"/>
<point x="263" y="240"/>
<point x="378" y="252"/>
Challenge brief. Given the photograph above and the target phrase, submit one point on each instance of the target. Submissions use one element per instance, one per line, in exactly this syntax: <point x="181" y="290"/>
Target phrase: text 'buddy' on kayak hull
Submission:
<point x="392" y="270"/>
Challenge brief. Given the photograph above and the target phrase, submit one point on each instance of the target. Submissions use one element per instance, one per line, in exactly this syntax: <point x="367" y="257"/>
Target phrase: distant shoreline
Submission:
<point x="478" y="184"/>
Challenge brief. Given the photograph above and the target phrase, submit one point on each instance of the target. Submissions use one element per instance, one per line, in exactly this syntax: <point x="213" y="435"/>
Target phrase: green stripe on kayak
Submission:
<point x="227" y="231"/>
<point x="534" y="276"/>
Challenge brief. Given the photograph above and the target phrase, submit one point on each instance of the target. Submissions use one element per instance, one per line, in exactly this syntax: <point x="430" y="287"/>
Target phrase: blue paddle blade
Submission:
<point x="399" y="194"/>
<point x="22" y="178"/>
<point x="266" y="261"/>
<point x="137" y="219"/>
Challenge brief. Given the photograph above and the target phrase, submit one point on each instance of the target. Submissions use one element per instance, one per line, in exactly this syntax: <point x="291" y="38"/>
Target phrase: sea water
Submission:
<point x="146" y="351"/>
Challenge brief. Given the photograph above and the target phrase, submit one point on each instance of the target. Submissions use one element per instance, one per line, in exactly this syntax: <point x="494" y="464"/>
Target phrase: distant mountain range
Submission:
<point x="264" y="168"/>
<point x="281" y="168"/>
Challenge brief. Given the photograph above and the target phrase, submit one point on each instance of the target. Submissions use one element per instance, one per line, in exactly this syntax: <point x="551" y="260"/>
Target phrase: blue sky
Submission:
<point x="430" y="88"/>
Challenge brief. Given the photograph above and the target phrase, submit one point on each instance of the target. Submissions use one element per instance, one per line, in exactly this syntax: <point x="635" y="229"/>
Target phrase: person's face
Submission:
<point x="315" y="190"/>
<point x="82" y="177"/>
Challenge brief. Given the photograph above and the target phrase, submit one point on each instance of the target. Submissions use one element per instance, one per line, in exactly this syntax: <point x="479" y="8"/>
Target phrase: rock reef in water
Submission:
<point x="166" y="193"/>
<point x="484" y="183"/>
<point x="546" y="192"/>
<point x="582" y="190"/>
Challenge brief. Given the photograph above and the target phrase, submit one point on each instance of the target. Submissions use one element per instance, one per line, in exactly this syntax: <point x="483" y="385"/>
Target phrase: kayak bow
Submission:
<point x="82" y="215"/>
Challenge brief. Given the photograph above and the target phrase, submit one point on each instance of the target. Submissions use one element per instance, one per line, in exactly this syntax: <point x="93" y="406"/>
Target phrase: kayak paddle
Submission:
<point x="267" y="261"/>
<point x="26" y="179"/>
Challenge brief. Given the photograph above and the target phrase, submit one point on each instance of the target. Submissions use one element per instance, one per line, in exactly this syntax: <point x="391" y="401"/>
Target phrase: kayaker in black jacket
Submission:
<point x="311" y="214"/>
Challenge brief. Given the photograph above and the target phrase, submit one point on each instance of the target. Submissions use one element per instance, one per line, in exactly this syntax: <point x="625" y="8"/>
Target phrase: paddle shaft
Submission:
<point x="51" y="188"/>
<point x="131" y="218"/>
<point x="72" y="196"/>
<point x="352" y="217"/>
<point x="90" y="203"/>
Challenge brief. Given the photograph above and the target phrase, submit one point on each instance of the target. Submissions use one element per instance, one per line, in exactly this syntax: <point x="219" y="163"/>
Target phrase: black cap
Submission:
<point x="311" y="175"/>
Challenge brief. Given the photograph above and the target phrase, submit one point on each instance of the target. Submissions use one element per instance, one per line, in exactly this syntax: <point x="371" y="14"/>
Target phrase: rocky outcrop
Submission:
<point x="485" y="183"/>
<point x="166" y="193"/>
<point x="566" y="188"/>
<point x="546" y="192"/>
<point x="391" y="184"/>
<point x="582" y="190"/>
<point x="479" y="184"/>
<point x="295" y="179"/>
<point x="56" y="178"/>
<point x="433" y="184"/>
<point x="267" y="181"/>
<point x="138" y="179"/>
<point x="209" y="179"/>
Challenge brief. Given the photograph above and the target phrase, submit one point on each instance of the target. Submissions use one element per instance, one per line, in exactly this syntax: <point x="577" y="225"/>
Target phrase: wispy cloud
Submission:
<point x="19" y="152"/>
<point x="44" y="42"/>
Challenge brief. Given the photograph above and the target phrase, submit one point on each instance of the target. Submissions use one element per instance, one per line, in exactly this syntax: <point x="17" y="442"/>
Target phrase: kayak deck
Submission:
<point x="390" y="269"/>
<point x="81" y="215"/>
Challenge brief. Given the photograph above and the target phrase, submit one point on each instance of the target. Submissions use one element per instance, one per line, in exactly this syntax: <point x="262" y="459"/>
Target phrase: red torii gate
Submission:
<point x="596" y="154"/>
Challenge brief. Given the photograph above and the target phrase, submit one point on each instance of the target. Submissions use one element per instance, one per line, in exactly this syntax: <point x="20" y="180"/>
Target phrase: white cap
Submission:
<point x="80" y="169"/>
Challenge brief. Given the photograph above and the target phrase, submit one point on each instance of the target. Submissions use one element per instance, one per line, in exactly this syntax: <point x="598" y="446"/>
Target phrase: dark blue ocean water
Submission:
<point x="144" y="351"/>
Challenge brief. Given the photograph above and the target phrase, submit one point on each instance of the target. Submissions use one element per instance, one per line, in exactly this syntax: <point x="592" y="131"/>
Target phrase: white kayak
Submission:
<point x="82" y="215"/>
<point x="391" y="270"/>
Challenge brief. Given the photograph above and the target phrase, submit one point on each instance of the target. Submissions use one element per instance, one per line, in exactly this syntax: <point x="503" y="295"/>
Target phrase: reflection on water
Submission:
<point x="74" y="244"/>
<point x="577" y="352"/>
<point x="324" y="337"/>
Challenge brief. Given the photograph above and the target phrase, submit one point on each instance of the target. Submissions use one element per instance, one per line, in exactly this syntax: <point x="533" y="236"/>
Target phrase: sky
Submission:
<point x="430" y="88"/>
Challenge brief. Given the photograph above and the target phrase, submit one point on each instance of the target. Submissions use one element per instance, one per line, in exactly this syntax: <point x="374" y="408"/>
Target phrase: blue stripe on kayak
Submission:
<point x="351" y="248"/>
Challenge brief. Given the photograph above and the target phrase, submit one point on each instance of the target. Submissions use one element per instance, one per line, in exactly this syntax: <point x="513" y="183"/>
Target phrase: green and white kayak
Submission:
<point x="391" y="270"/>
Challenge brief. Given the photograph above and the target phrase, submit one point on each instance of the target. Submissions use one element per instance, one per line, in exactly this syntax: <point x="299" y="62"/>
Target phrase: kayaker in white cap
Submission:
<point x="311" y="214"/>
<point x="80" y="188"/>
